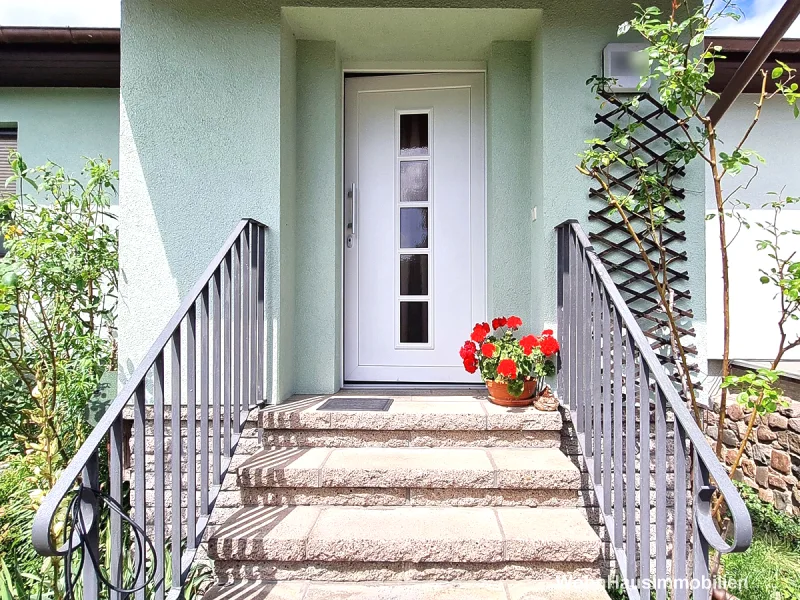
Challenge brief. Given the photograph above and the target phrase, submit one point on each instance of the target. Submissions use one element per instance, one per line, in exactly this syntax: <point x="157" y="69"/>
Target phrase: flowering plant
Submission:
<point x="503" y="358"/>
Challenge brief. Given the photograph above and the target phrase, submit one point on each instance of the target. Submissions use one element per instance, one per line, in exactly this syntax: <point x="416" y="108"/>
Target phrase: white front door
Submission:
<point x="415" y="256"/>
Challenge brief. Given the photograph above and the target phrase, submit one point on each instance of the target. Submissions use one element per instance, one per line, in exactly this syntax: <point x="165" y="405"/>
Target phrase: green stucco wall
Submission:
<point x="288" y="178"/>
<point x="63" y="124"/>
<point x="234" y="109"/>
<point x="200" y="146"/>
<point x="319" y="214"/>
<point x="508" y="101"/>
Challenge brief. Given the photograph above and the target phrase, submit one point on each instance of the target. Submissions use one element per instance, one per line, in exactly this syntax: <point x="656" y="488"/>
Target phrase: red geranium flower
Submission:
<point x="547" y="332"/>
<point x="488" y="350"/>
<point x="468" y="349"/>
<point x="498" y="322"/>
<point x="507" y="368"/>
<point x="470" y="364"/>
<point x="480" y="332"/>
<point x="528" y="343"/>
<point x="549" y="345"/>
<point x="514" y="322"/>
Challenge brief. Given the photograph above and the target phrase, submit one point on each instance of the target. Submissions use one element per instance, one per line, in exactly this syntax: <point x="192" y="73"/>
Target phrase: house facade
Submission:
<point x="59" y="95"/>
<point x="303" y="115"/>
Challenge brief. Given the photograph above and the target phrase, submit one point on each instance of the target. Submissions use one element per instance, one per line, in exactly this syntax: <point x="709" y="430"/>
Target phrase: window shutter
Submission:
<point x="8" y="142"/>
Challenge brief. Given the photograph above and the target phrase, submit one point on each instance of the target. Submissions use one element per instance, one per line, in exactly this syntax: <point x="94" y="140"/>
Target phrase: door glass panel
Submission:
<point x="414" y="135"/>
<point x="413" y="227"/>
<point x="414" y="274"/>
<point x="414" y="181"/>
<point x="414" y="322"/>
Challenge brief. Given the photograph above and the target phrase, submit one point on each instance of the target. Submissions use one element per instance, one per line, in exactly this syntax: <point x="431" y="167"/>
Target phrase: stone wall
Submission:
<point x="771" y="463"/>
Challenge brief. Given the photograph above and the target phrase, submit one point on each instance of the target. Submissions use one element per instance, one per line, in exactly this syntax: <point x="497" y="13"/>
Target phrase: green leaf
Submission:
<point x="777" y="72"/>
<point x="764" y="279"/>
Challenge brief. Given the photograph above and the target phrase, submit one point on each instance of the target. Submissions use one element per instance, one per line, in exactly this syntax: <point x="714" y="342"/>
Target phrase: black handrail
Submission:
<point x="610" y="381"/>
<point x="229" y="297"/>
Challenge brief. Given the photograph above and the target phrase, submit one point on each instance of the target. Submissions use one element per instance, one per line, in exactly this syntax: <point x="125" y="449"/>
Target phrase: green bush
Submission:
<point x="769" y="520"/>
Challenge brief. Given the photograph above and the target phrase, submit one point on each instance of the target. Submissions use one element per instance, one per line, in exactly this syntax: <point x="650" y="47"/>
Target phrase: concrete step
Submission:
<point x="419" y="535"/>
<point x="410" y="413"/>
<point x="421" y="476"/>
<point x="355" y="438"/>
<point x="463" y="590"/>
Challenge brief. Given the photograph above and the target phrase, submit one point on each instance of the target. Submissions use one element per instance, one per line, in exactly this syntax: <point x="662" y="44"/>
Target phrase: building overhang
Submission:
<point x="59" y="57"/>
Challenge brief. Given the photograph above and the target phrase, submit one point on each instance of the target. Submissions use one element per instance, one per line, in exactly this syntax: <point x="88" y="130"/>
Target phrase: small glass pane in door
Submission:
<point x="413" y="274"/>
<point x="414" y="322"/>
<point x="414" y="135"/>
<point x="414" y="181"/>
<point x="413" y="227"/>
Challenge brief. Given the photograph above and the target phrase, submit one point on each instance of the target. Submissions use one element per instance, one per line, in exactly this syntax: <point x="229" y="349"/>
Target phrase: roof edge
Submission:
<point x="59" y="35"/>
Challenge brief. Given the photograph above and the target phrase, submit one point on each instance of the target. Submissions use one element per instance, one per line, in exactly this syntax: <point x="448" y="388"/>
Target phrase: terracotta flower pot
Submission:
<point x="499" y="394"/>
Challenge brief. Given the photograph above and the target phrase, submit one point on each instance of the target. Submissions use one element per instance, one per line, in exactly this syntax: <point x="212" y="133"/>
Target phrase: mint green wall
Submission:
<point x="508" y="121"/>
<point x="319" y="217"/>
<point x="210" y="133"/>
<point x="288" y="179"/>
<point x="63" y="124"/>
<point x="200" y="147"/>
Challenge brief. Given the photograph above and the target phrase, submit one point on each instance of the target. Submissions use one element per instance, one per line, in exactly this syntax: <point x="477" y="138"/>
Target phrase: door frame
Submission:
<point x="378" y="68"/>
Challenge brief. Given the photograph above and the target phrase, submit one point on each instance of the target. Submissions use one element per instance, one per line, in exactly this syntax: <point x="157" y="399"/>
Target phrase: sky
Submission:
<point x="105" y="13"/>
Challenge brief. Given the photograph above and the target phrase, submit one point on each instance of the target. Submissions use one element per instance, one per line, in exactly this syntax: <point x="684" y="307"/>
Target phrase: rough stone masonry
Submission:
<point x="771" y="462"/>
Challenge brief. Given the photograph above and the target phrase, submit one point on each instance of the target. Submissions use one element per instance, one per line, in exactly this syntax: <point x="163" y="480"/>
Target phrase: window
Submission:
<point x="414" y="233"/>
<point x="8" y="142"/>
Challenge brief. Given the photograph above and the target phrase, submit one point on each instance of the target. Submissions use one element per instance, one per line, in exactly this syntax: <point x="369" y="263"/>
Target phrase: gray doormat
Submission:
<point x="365" y="404"/>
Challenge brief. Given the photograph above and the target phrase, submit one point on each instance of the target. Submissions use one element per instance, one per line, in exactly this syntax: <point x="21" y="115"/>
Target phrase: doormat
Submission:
<point x="365" y="404"/>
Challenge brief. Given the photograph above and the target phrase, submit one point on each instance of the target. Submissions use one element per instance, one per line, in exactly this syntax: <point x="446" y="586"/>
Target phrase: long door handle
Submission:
<point x="351" y="226"/>
<point x="354" y="209"/>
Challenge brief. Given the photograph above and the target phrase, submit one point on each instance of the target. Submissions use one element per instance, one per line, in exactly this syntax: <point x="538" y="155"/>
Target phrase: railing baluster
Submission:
<point x="644" y="484"/>
<point x="561" y="321"/>
<point x="661" y="496"/>
<point x="597" y="438"/>
<point x="617" y="427"/>
<point x="216" y="366"/>
<point x="571" y="334"/>
<point x="191" y="430"/>
<point x="139" y="480"/>
<point x="700" y="566"/>
<point x="680" y="524"/>
<point x="580" y="339"/>
<point x="175" y="426"/>
<point x="246" y="333"/>
<point x="236" y="253"/>
<point x="158" y="473"/>
<point x="115" y="491"/>
<point x="204" y="412"/>
<point x="630" y="455"/>
<point x="253" y="320"/>
<point x="91" y="514"/>
<point x="262" y="249"/>
<point x="227" y="401"/>
<point x="587" y="362"/>
<point x="608" y="467"/>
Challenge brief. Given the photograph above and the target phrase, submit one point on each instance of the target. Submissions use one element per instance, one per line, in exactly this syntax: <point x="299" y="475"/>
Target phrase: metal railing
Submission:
<point x="651" y="468"/>
<point x="221" y="372"/>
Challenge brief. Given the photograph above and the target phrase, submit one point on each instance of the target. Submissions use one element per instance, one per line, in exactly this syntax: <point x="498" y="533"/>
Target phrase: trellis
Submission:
<point x="615" y="246"/>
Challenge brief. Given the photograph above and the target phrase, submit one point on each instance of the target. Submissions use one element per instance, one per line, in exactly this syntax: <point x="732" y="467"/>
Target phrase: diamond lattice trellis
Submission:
<point x="617" y="249"/>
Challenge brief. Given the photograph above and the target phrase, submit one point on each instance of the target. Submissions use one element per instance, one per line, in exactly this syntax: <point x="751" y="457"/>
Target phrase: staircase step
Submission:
<point x="406" y="534"/>
<point x="410" y="413"/>
<point x="465" y="468"/>
<point x="354" y="438"/>
<point x="462" y="590"/>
